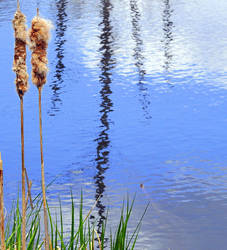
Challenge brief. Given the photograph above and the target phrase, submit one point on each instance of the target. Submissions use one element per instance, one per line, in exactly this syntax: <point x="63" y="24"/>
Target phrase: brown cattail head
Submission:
<point x="39" y="35"/>
<point x="19" y="63"/>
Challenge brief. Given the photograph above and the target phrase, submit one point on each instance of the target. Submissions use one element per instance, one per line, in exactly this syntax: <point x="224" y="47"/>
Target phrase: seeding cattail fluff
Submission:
<point x="19" y="63"/>
<point x="39" y="35"/>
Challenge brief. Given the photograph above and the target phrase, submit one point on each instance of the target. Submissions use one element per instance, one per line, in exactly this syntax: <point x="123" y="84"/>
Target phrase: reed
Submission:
<point x="2" y="228"/>
<point x="20" y="68"/>
<point x="39" y="35"/>
<point x="82" y="234"/>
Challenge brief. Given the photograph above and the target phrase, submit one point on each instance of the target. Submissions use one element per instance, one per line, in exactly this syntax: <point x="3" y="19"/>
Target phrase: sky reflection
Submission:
<point x="136" y="94"/>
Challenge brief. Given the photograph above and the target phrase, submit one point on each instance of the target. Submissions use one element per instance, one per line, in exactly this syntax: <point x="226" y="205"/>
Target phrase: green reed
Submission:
<point x="82" y="235"/>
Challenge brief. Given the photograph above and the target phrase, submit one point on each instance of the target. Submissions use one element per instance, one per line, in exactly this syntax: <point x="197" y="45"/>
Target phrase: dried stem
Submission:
<point x="29" y="189"/>
<point x="42" y="173"/>
<point x="23" y="177"/>
<point x="28" y="195"/>
<point x="3" y="247"/>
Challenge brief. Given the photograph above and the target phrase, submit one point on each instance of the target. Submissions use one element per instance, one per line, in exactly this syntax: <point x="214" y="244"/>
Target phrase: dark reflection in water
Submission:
<point x="168" y="35"/>
<point x="103" y="142"/>
<point x="139" y="58"/>
<point x="61" y="26"/>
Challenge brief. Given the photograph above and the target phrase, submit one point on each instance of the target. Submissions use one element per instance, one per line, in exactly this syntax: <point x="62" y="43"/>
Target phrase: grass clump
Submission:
<point x="82" y="235"/>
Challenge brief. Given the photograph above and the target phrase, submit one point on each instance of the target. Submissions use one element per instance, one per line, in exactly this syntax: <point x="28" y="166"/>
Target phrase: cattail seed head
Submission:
<point x="19" y="63"/>
<point x="39" y="35"/>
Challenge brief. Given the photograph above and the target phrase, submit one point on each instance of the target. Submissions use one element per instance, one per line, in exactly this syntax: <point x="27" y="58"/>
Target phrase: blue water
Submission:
<point x="136" y="94"/>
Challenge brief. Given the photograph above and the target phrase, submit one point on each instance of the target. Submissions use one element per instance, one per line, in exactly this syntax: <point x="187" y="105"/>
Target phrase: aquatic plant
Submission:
<point x="39" y="35"/>
<point x="82" y="234"/>
<point x="19" y="63"/>
<point x="2" y="229"/>
<point x="20" y="68"/>
<point x="13" y="234"/>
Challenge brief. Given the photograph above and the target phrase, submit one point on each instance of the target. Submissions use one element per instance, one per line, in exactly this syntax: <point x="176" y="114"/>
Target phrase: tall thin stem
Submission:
<point x="18" y="5"/>
<point x="3" y="247"/>
<point x="42" y="173"/>
<point x="29" y="189"/>
<point x="23" y="177"/>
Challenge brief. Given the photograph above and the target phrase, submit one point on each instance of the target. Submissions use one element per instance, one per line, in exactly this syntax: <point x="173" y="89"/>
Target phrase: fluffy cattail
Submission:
<point x="39" y="35"/>
<point x="19" y="63"/>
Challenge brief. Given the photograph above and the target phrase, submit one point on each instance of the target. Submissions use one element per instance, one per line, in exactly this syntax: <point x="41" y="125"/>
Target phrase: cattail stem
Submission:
<point x="23" y="177"/>
<point x="42" y="173"/>
<point x="3" y="247"/>
<point x="18" y="5"/>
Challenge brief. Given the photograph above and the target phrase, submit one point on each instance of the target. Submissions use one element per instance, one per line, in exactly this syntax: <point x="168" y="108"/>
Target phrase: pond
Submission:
<point x="136" y="96"/>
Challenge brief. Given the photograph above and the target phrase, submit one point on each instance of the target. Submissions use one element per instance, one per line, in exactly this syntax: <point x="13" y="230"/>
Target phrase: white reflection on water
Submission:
<point x="195" y="50"/>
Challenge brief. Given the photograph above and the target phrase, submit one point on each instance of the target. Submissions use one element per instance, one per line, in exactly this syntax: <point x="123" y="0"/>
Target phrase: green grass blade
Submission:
<point x="56" y="235"/>
<point x="51" y="225"/>
<point x="137" y="229"/>
<point x="81" y="231"/>
<point x="62" y="228"/>
<point x="72" y="223"/>
<point x="32" y="239"/>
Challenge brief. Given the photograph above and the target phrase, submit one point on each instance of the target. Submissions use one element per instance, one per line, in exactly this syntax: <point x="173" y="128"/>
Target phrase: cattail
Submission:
<point x="3" y="247"/>
<point x="19" y="64"/>
<point x="19" y="67"/>
<point x="39" y="35"/>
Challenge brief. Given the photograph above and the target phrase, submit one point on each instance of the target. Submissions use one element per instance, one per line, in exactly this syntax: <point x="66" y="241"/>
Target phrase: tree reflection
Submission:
<point x="139" y="58"/>
<point x="61" y="26"/>
<point x="103" y="142"/>
<point x="168" y="35"/>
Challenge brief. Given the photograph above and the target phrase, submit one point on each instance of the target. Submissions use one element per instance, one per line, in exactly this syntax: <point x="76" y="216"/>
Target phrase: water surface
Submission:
<point x="136" y="94"/>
